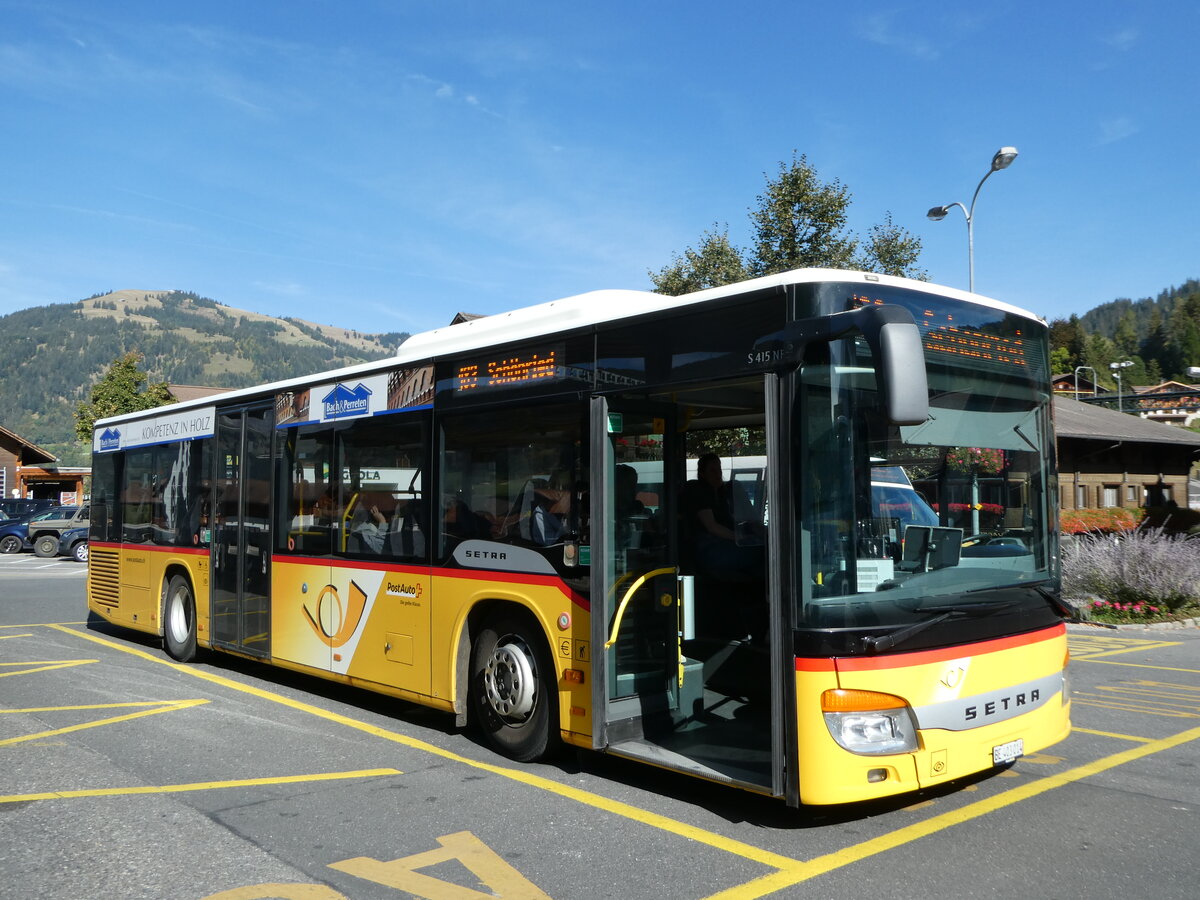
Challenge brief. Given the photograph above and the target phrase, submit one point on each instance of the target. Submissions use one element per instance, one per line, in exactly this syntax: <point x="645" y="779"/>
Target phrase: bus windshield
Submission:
<point x="896" y="521"/>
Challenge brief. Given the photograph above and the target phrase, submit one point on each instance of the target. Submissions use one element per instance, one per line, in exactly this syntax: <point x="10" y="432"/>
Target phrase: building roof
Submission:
<point x="31" y="448"/>
<point x="182" y="392"/>
<point x="1074" y="419"/>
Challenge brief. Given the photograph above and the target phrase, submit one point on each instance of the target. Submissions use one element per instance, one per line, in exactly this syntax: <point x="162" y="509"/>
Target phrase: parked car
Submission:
<point x="47" y="527"/>
<point x="24" y="507"/>
<point x="74" y="543"/>
<point x="14" y="536"/>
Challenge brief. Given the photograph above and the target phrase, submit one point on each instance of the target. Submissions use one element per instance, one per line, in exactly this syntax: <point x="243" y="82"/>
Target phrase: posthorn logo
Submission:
<point x="343" y="401"/>
<point x="110" y="439"/>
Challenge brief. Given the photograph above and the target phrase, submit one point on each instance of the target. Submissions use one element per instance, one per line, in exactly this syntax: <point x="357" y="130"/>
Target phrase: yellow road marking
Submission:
<point x="198" y="786"/>
<point x="1111" y="734"/>
<point x="491" y="869"/>
<point x="5" y="637"/>
<point x="42" y="709"/>
<point x="1123" y="645"/>
<point x="1109" y="662"/>
<point x="838" y="859"/>
<point x="789" y="871"/>
<point x="616" y="807"/>
<point x="166" y="706"/>
<point x="44" y="666"/>
<point x="42" y="624"/>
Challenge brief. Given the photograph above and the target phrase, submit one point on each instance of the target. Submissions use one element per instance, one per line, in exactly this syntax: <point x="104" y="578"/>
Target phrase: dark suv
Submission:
<point x="23" y="507"/>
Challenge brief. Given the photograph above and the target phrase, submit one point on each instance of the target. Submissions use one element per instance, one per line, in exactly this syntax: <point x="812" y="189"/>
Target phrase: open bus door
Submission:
<point x="666" y="689"/>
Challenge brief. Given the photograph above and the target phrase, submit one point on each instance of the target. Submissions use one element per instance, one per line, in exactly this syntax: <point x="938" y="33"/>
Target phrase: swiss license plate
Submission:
<point x="1006" y="753"/>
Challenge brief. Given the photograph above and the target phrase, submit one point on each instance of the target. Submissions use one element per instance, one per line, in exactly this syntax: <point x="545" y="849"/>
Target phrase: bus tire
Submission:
<point x="45" y="546"/>
<point x="179" y="620"/>
<point x="514" y="697"/>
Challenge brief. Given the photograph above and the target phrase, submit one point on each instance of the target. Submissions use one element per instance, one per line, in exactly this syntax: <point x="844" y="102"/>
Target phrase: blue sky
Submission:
<point x="383" y="165"/>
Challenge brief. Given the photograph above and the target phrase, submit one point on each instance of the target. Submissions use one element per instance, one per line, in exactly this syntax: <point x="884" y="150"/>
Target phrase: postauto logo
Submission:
<point x="343" y="401"/>
<point x="110" y="439"/>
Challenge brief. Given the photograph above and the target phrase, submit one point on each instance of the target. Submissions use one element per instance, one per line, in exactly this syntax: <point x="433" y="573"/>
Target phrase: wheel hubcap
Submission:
<point x="177" y="619"/>
<point x="510" y="679"/>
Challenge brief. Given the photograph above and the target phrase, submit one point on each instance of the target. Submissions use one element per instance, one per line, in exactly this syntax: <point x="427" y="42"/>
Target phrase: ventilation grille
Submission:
<point x="104" y="581"/>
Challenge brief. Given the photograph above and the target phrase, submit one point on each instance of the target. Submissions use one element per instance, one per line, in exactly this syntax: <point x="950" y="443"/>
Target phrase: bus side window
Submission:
<point x="513" y="477"/>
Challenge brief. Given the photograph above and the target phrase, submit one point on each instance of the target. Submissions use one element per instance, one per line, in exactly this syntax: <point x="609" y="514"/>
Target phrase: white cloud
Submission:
<point x="282" y="289"/>
<point x="1121" y="40"/>
<point x="879" y="29"/>
<point x="1117" y="129"/>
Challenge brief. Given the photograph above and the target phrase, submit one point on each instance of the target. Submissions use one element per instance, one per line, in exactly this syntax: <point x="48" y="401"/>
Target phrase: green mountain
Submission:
<point x="51" y="355"/>
<point x="1159" y="337"/>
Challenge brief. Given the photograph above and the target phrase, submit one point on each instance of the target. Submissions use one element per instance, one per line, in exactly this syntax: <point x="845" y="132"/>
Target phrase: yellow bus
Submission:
<point x="539" y="523"/>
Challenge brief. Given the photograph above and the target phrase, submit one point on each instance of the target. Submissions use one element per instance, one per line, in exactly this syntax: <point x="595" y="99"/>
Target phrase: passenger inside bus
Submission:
<point x="713" y="530"/>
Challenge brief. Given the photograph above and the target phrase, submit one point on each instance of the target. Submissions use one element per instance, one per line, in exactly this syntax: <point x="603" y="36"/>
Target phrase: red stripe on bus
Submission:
<point x="804" y="664"/>
<point x="924" y="657"/>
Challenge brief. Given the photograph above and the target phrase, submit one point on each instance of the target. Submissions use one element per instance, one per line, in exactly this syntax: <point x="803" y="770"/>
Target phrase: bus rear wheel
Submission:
<point x="179" y="620"/>
<point x="513" y="695"/>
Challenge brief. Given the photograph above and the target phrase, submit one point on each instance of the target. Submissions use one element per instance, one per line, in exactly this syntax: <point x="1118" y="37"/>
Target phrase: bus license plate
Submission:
<point x="1006" y="753"/>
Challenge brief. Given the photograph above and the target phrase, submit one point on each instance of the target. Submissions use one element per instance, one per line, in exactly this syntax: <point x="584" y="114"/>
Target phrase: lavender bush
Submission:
<point x="1147" y="566"/>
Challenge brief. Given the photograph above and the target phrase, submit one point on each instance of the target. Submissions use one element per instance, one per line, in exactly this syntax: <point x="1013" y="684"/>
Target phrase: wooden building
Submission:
<point x="26" y="470"/>
<point x="1112" y="459"/>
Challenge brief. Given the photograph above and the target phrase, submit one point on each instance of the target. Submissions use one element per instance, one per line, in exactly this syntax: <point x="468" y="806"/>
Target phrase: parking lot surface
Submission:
<point x="128" y="775"/>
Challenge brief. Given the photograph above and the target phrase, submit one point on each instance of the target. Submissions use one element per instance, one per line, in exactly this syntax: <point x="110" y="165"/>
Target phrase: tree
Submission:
<point x="120" y="390"/>
<point x="717" y="262"/>
<point x="799" y="222"/>
<point x="892" y="250"/>
<point x="1125" y="336"/>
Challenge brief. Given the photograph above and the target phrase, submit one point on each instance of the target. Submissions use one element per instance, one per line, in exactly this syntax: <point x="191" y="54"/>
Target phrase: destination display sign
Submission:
<point x="509" y="371"/>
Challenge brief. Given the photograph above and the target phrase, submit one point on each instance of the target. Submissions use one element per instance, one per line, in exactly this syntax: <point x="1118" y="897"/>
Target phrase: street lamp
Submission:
<point x="1116" y="370"/>
<point x="1079" y="369"/>
<point x="1002" y="160"/>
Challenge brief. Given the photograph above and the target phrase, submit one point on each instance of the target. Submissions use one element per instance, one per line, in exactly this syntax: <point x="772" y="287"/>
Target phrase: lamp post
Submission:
<point x="1116" y="370"/>
<point x="1079" y="369"/>
<point x="1002" y="160"/>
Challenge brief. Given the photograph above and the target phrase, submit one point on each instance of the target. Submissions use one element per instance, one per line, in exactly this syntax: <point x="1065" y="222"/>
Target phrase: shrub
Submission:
<point x="1147" y="567"/>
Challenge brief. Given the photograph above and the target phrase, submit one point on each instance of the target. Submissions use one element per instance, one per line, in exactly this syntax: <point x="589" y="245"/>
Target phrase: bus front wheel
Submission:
<point x="513" y="695"/>
<point x="179" y="620"/>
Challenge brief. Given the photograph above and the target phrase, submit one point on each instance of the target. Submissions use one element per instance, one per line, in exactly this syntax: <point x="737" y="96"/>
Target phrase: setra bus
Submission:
<point x="502" y="522"/>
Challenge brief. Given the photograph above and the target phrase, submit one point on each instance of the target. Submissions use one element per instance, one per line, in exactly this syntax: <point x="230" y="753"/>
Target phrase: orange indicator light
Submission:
<point x="859" y="701"/>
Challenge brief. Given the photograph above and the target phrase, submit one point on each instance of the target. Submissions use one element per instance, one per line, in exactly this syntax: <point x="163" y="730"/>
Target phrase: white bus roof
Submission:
<point x="579" y="311"/>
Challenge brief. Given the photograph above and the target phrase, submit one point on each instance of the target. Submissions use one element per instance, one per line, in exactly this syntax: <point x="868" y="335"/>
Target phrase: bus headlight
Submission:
<point x="869" y="722"/>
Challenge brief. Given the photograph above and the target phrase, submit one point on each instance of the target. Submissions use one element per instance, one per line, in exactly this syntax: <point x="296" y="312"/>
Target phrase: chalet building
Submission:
<point x="1172" y="402"/>
<point x="1074" y="384"/>
<point x="26" y="470"/>
<point x="1107" y="458"/>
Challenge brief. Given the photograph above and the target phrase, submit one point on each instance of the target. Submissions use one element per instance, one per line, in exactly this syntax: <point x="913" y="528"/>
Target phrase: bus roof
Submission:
<point x="579" y="311"/>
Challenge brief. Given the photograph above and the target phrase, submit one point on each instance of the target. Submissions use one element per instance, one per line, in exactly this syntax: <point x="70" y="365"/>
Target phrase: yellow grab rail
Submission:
<point x="616" y="626"/>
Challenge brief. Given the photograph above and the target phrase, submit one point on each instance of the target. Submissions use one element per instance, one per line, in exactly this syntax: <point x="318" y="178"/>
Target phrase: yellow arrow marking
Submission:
<point x="484" y="863"/>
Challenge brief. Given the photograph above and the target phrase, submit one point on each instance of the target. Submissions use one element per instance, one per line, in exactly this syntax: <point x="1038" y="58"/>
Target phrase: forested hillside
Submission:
<point x="51" y="355"/>
<point x="1160" y="336"/>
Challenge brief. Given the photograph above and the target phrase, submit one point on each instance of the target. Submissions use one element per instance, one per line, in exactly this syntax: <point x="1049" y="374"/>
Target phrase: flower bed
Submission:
<point x="1136" y="576"/>
<point x="1099" y="521"/>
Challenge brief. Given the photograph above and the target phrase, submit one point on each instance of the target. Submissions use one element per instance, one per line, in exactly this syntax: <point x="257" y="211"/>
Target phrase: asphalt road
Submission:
<point x="126" y="775"/>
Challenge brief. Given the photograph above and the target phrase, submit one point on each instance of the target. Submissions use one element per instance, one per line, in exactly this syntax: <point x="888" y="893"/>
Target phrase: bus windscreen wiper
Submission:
<point x="878" y="643"/>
